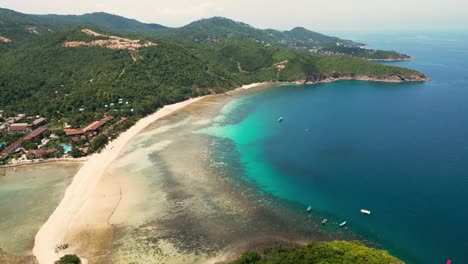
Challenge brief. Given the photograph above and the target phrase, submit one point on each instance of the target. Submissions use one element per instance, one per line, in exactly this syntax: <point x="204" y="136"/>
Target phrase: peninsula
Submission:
<point x="85" y="85"/>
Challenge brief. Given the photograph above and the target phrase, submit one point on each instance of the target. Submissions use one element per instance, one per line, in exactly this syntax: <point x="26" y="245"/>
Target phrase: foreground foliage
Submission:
<point x="69" y="259"/>
<point x="336" y="252"/>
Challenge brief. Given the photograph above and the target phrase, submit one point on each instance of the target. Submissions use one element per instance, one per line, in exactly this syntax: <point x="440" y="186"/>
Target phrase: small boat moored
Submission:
<point x="309" y="208"/>
<point x="343" y="224"/>
<point x="364" y="211"/>
<point x="324" y="221"/>
<point x="280" y="119"/>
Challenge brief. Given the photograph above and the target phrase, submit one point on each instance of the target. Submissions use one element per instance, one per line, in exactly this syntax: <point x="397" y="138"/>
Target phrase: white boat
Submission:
<point x="324" y="221"/>
<point x="280" y="119"/>
<point x="364" y="211"/>
<point x="343" y="224"/>
<point x="309" y="208"/>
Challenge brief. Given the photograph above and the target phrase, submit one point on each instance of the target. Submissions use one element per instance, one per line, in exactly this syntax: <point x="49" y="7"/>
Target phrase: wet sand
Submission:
<point x="81" y="193"/>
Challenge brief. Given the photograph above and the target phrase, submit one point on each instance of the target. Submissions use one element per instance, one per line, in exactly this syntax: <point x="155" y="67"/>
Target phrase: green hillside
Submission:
<point x="18" y="26"/>
<point x="44" y="77"/>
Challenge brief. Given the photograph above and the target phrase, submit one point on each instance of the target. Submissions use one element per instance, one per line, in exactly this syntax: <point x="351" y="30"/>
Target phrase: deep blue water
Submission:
<point x="399" y="150"/>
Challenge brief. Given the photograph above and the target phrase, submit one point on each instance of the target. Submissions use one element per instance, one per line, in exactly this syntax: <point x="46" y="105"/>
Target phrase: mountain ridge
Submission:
<point x="18" y="26"/>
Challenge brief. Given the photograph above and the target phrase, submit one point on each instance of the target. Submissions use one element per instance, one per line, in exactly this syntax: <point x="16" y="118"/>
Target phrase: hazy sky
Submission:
<point x="284" y="14"/>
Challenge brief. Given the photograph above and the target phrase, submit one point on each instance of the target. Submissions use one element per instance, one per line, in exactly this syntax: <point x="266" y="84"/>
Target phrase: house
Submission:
<point x="122" y="119"/>
<point x="95" y="126"/>
<point x="73" y="132"/>
<point x="38" y="122"/>
<point x="8" y="150"/>
<point x="37" y="153"/>
<point x="19" y="128"/>
<point x="4" y="127"/>
<point x="35" y="133"/>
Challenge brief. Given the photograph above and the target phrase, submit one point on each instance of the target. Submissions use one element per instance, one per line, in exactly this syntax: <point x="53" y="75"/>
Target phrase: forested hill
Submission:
<point x="17" y="26"/>
<point x="56" y="74"/>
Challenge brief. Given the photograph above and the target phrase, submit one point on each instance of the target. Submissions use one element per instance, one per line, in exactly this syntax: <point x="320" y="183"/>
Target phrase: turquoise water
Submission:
<point x="399" y="150"/>
<point x="66" y="148"/>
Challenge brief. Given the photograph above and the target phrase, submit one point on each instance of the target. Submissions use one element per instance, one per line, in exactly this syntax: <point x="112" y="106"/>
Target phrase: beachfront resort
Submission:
<point x="25" y="139"/>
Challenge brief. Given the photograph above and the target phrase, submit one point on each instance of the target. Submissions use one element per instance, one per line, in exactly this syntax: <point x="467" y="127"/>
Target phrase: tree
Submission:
<point x="46" y="134"/>
<point x="69" y="259"/>
<point x="98" y="143"/>
<point x="59" y="133"/>
<point x="250" y="257"/>
<point x="28" y="145"/>
<point x="76" y="153"/>
<point x="336" y="252"/>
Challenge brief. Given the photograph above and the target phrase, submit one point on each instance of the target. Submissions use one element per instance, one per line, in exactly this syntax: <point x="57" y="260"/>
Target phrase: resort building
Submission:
<point x="38" y="122"/>
<point x="19" y="128"/>
<point x="35" y="133"/>
<point x="4" y="127"/>
<point x="4" y="154"/>
<point x="73" y="132"/>
<point x="93" y="128"/>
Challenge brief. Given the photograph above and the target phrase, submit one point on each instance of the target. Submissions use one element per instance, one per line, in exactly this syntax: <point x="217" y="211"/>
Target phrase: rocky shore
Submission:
<point x="337" y="76"/>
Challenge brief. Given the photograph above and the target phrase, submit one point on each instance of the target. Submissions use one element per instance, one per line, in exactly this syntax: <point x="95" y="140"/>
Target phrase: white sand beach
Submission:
<point x="84" y="183"/>
<point x="84" y="190"/>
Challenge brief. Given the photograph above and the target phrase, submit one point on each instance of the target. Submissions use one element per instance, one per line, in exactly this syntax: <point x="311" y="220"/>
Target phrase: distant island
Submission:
<point x="70" y="84"/>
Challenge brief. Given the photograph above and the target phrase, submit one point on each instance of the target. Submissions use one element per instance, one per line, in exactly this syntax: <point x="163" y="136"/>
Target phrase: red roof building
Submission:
<point x="19" y="128"/>
<point x="93" y="127"/>
<point x="4" y="154"/>
<point x="73" y="132"/>
<point x="98" y="124"/>
<point x="36" y="133"/>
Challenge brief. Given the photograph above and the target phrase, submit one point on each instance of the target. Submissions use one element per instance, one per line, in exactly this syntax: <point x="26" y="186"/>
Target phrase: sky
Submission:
<point x="284" y="14"/>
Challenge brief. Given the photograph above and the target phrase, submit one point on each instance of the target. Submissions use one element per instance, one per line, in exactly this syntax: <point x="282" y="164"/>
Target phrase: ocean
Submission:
<point x="398" y="150"/>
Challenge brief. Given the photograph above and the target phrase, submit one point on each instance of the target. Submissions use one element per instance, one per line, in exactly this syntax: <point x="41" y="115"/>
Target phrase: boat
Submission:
<point x="364" y="211"/>
<point x="343" y="224"/>
<point x="324" y="221"/>
<point x="309" y="208"/>
<point x="280" y="119"/>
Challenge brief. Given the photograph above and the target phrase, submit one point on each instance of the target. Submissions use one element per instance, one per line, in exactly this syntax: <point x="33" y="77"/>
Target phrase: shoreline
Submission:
<point x="54" y="230"/>
<point x="45" y="161"/>
<point x="320" y="80"/>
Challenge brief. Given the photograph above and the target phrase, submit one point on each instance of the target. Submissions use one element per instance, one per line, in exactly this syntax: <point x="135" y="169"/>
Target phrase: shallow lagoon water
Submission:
<point x="172" y="197"/>
<point x="28" y="195"/>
